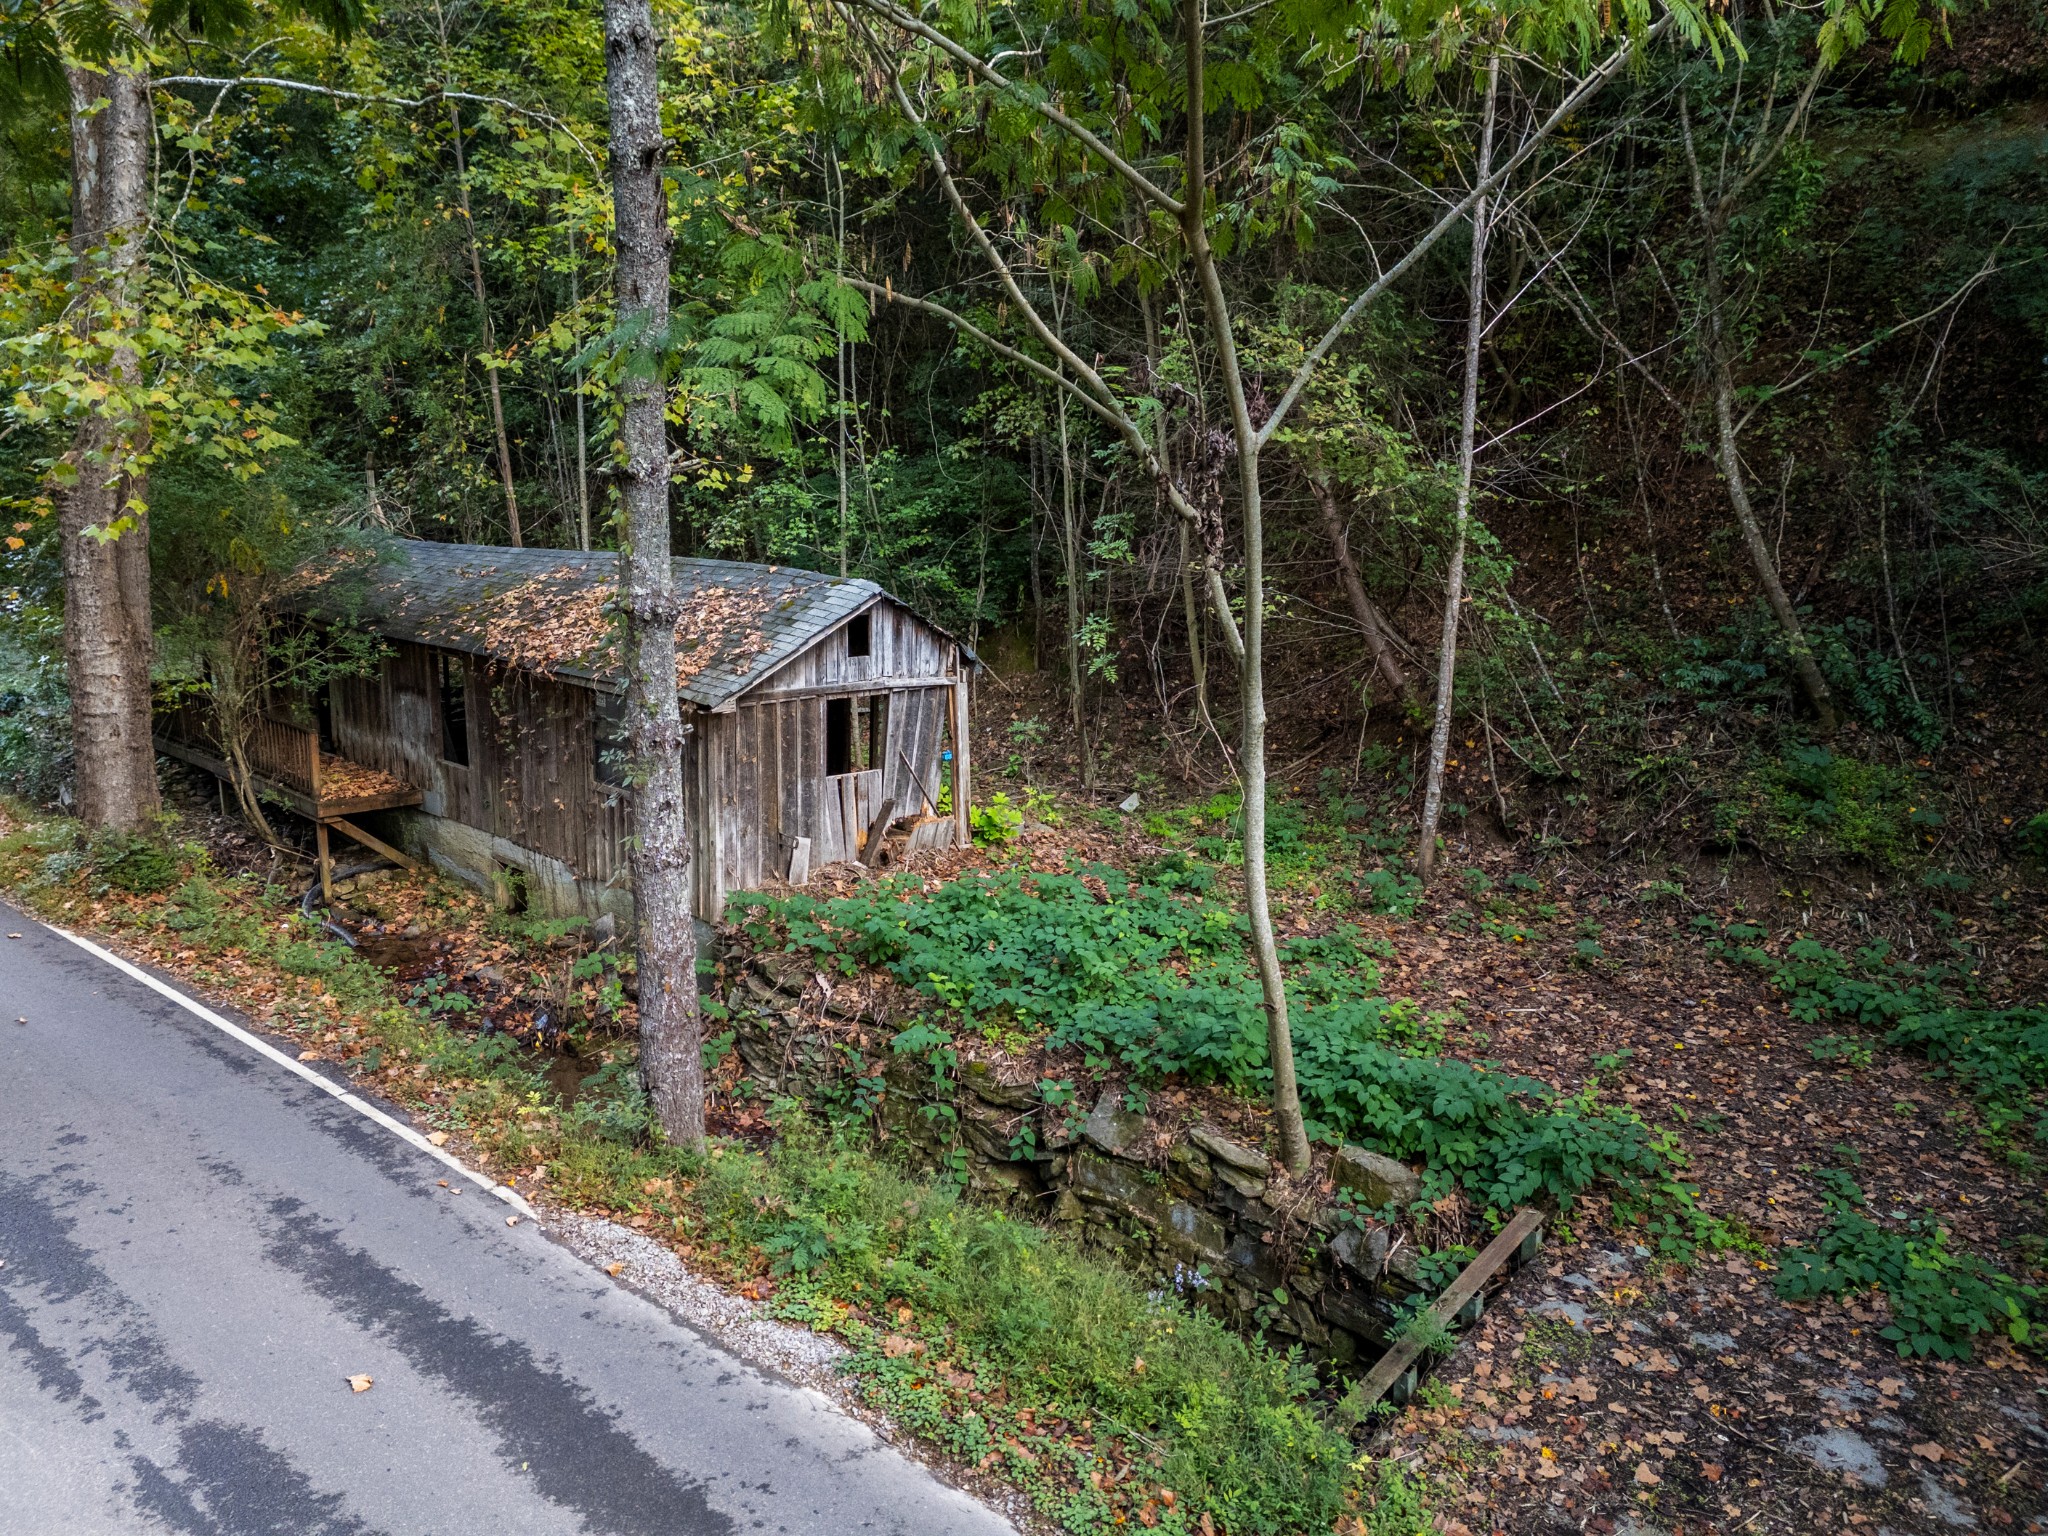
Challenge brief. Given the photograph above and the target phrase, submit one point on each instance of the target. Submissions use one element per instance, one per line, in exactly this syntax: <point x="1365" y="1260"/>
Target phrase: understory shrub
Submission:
<point x="141" y="866"/>
<point x="35" y="707"/>
<point x="1150" y="974"/>
<point x="1823" y="803"/>
<point x="1999" y="1056"/>
<point x="1941" y="1300"/>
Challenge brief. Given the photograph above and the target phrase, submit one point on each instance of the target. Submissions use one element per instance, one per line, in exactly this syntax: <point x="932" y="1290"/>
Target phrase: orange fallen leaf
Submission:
<point x="1711" y="1471"/>
<point x="613" y="1269"/>
<point x="359" y="1383"/>
<point x="1645" y="1476"/>
<point x="1927" y="1450"/>
<point x="438" y="1138"/>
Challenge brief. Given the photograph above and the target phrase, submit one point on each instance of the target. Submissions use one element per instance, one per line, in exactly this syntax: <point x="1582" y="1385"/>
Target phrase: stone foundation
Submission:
<point x="492" y="865"/>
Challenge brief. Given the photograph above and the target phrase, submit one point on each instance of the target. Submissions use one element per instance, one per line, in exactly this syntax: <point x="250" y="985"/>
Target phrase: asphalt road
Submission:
<point x="199" y="1247"/>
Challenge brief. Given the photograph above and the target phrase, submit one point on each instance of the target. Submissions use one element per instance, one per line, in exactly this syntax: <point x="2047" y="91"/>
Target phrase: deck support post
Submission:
<point x="963" y="783"/>
<point x="326" y="863"/>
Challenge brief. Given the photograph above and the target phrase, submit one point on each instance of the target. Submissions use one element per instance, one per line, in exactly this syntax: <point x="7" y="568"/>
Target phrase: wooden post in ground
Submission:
<point x="871" y="850"/>
<point x="963" y="784"/>
<point x="326" y="863"/>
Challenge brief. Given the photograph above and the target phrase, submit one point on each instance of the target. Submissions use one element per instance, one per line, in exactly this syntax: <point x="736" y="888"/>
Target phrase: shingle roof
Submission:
<point x="546" y="610"/>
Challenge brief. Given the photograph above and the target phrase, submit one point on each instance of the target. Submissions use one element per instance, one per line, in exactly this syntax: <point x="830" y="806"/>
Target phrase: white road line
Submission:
<point x="263" y="1047"/>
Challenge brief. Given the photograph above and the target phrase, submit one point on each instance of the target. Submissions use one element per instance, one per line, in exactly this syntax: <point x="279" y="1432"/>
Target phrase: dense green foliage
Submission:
<point x="1150" y="976"/>
<point x="1941" y="1299"/>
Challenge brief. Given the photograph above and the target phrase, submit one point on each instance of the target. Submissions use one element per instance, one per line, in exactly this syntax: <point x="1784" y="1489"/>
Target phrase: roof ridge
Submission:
<point x="539" y="552"/>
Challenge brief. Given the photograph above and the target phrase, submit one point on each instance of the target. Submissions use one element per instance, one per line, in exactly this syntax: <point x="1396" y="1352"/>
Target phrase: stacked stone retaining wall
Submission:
<point x="1183" y="1202"/>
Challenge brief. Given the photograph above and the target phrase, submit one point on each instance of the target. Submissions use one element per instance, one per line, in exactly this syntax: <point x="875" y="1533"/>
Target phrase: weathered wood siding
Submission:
<point x="902" y="649"/>
<point x="771" y="786"/>
<point x="532" y="772"/>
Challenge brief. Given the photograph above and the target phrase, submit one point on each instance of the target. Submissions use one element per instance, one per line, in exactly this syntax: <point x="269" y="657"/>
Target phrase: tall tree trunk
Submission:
<point x="671" y="1061"/>
<point x="1039" y="500"/>
<point x="1454" y="580"/>
<point x="1265" y="949"/>
<point x="1371" y="622"/>
<point x="1729" y="454"/>
<point x="837" y="187"/>
<point x="476" y="279"/>
<point x="1191" y="614"/>
<point x="102" y="519"/>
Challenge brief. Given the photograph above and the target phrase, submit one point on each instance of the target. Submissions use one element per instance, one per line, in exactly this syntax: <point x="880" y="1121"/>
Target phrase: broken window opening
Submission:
<point x="454" y="681"/>
<point x="612" y="747"/>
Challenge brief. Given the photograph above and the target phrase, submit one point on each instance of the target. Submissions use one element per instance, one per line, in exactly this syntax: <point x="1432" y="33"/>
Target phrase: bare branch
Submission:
<point x="888" y="294"/>
<point x="1045" y="333"/>
<point x="1450" y="220"/>
<point x="1983" y="274"/>
<point x="1108" y="411"/>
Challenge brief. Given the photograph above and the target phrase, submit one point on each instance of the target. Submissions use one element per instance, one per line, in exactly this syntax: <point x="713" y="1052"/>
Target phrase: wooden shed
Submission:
<point x="822" y="714"/>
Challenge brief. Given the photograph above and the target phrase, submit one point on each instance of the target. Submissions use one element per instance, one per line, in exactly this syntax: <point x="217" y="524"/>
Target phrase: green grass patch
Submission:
<point x="1005" y="1344"/>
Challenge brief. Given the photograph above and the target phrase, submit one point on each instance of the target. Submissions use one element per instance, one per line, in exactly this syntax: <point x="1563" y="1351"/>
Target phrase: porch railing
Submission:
<point x="275" y="750"/>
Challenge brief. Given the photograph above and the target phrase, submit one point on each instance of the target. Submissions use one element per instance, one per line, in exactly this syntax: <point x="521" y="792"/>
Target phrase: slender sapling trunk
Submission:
<point x="1720" y="342"/>
<point x="1454" y="580"/>
<point x="1371" y="622"/>
<point x="1265" y="948"/>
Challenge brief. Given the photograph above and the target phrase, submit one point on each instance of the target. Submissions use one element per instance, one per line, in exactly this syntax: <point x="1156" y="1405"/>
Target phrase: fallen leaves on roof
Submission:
<point x="558" y="620"/>
<point x="568" y="620"/>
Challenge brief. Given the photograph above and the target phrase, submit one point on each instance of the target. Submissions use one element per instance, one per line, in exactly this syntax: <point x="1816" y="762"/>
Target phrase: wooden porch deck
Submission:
<point x="287" y="765"/>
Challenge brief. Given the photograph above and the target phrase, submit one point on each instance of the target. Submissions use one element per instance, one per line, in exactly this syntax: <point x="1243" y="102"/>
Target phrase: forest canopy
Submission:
<point x="1691" y="352"/>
